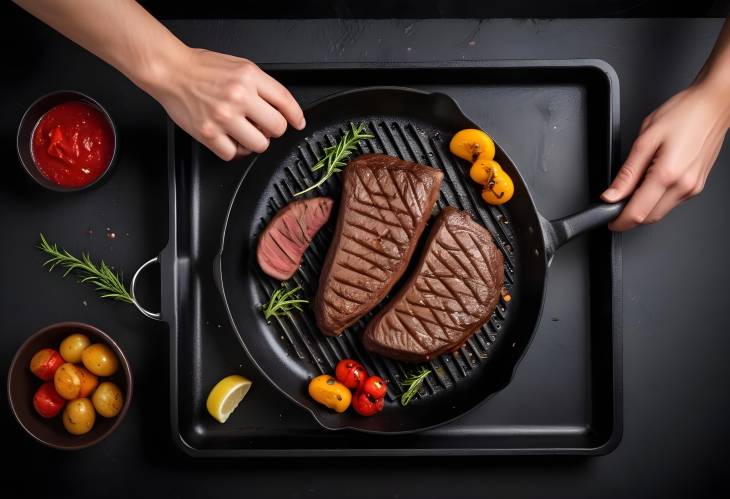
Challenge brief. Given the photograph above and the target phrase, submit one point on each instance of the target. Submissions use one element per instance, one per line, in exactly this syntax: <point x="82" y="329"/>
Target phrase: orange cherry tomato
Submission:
<point x="471" y="143"/>
<point x="89" y="382"/>
<point x="498" y="188"/>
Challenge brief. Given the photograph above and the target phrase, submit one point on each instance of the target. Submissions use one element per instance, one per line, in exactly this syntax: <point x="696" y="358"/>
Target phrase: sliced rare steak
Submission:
<point x="451" y="294"/>
<point x="385" y="205"/>
<point x="287" y="236"/>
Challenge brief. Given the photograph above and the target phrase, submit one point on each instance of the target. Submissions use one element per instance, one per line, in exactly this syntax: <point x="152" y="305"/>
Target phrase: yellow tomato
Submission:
<point x="72" y="347"/>
<point x="99" y="359"/>
<point x="67" y="381"/>
<point x="79" y="416"/>
<point x="471" y="143"/>
<point x="108" y="399"/>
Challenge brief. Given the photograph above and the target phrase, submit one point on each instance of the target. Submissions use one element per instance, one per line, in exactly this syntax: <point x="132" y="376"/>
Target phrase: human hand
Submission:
<point x="225" y="102"/>
<point x="672" y="156"/>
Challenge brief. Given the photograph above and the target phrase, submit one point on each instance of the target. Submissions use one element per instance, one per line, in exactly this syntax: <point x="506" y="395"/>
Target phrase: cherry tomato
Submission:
<point x="47" y="402"/>
<point x="108" y="400"/>
<point x="351" y="373"/>
<point x="45" y="362"/>
<point x="79" y="416"/>
<point x="365" y="405"/>
<point x="72" y="347"/>
<point x="67" y="381"/>
<point x="99" y="359"/>
<point x="89" y="381"/>
<point x="375" y="386"/>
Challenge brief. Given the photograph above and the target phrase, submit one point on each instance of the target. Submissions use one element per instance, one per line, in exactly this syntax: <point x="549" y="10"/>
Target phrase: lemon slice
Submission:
<point x="226" y="395"/>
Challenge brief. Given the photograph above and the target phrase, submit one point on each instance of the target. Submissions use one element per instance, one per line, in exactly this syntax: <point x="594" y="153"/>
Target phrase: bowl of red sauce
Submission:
<point x="67" y="141"/>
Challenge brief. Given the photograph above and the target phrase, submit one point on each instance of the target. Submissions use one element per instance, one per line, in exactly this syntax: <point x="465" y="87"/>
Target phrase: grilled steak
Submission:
<point x="287" y="236"/>
<point x="450" y="295"/>
<point x="385" y="205"/>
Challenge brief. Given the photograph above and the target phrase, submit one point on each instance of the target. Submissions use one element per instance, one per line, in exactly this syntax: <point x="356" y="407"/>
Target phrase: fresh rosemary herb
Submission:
<point x="334" y="156"/>
<point x="104" y="278"/>
<point x="413" y="383"/>
<point x="282" y="302"/>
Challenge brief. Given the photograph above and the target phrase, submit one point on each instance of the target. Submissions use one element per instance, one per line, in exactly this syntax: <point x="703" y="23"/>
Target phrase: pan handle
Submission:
<point x="562" y="230"/>
<point x="152" y="315"/>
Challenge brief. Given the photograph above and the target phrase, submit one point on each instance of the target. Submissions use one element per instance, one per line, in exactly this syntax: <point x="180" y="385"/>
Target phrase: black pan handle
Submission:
<point x="562" y="230"/>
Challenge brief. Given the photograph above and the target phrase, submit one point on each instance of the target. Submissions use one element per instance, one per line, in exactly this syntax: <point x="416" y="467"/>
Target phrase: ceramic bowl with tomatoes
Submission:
<point x="42" y="376"/>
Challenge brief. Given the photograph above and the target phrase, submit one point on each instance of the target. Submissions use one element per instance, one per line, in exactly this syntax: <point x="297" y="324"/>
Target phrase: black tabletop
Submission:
<point x="674" y="285"/>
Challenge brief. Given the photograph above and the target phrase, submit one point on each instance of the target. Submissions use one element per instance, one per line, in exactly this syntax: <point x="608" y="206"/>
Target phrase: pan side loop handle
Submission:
<point x="562" y="230"/>
<point x="151" y="315"/>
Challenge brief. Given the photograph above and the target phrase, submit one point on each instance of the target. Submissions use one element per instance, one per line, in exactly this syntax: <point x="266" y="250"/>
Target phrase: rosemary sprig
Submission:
<point x="413" y="383"/>
<point x="282" y="302"/>
<point x="104" y="278"/>
<point x="334" y="156"/>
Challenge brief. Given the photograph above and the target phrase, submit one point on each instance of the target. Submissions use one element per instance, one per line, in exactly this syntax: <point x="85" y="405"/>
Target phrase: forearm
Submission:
<point x="120" y="32"/>
<point x="716" y="70"/>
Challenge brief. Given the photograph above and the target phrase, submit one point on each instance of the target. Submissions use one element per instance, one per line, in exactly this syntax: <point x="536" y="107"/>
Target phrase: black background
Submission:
<point x="675" y="273"/>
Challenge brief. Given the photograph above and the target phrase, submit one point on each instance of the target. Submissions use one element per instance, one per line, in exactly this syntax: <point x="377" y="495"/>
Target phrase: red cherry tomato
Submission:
<point x="351" y="373"/>
<point x="365" y="405"/>
<point x="45" y="362"/>
<point x="375" y="386"/>
<point x="47" y="402"/>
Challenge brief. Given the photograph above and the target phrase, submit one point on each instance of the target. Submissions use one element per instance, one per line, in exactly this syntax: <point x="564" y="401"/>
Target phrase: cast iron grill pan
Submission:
<point x="412" y="125"/>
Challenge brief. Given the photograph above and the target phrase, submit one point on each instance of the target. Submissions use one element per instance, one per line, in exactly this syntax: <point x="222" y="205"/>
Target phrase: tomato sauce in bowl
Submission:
<point x="72" y="144"/>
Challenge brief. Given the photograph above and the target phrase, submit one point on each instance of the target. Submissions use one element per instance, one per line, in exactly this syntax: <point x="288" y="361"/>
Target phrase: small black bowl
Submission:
<point x="30" y="120"/>
<point x="22" y="385"/>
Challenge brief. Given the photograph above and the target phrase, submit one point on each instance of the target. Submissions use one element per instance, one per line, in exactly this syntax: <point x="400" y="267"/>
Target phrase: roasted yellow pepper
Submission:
<point x="471" y="143"/>
<point x="329" y="392"/>
<point x="476" y="146"/>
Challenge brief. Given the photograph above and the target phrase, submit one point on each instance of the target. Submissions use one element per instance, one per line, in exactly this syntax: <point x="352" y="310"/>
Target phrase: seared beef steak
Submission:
<point x="287" y="236"/>
<point x="385" y="205"/>
<point x="451" y="294"/>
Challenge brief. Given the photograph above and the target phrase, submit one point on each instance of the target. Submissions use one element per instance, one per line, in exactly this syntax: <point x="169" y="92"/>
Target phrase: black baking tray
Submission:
<point x="559" y="122"/>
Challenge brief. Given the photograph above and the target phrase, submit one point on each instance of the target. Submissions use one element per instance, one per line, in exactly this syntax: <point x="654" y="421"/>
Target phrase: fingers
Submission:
<point x="268" y="119"/>
<point x="646" y="123"/>
<point x="242" y="151"/>
<point x="670" y="200"/>
<point x="218" y="142"/>
<point x="643" y="201"/>
<point x="247" y="135"/>
<point x="633" y="168"/>
<point x="278" y="96"/>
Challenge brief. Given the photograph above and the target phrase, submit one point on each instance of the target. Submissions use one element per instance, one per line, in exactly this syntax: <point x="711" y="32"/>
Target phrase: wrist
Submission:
<point x="155" y="73"/>
<point x="714" y="86"/>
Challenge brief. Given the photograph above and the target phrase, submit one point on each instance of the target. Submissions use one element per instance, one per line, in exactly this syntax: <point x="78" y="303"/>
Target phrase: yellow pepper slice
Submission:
<point x="329" y="392"/>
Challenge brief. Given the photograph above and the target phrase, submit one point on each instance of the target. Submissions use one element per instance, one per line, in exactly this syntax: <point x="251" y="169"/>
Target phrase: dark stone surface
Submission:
<point x="675" y="331"/>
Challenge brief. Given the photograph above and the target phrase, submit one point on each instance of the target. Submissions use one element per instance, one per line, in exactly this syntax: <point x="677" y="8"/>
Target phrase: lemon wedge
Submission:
<point x="226" y="395"/>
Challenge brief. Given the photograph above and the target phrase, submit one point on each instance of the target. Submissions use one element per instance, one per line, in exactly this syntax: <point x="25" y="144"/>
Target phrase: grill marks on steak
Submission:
<point x="451" y="294"/>
<point x="385" y="205"/>
<point x="285" y="239"/>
